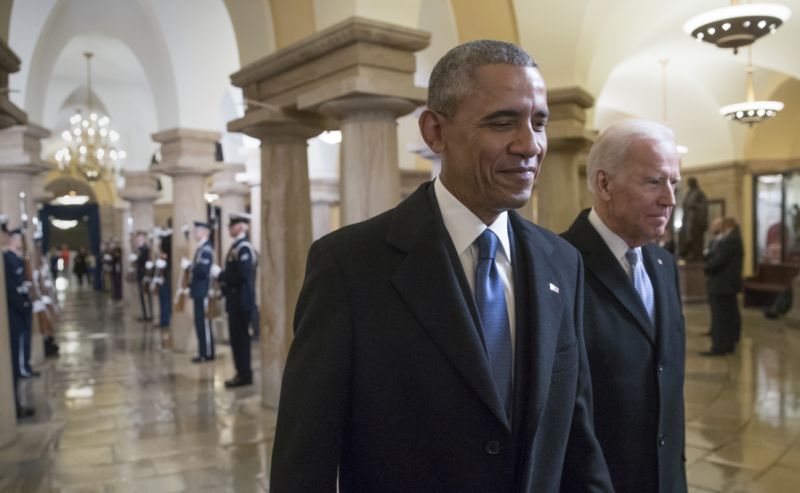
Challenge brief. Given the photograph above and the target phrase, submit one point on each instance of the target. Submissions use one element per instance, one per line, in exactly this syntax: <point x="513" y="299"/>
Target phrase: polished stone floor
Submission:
<point x="116" y="412"/>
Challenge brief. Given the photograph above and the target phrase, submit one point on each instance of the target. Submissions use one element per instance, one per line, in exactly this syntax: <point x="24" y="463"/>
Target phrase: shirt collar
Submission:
<point x="463" y="226"/>
<point x="240" y="237"/>
<point x="615" y="243"/>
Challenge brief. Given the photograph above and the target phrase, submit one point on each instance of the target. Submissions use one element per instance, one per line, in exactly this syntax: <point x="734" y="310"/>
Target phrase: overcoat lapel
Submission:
<point x="601" y="263"/>
<point x="544" y="314"/>
<point x="430" y="285"/>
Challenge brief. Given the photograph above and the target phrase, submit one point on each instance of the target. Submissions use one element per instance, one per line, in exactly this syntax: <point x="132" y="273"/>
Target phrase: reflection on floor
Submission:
<point x="118" y="413"/>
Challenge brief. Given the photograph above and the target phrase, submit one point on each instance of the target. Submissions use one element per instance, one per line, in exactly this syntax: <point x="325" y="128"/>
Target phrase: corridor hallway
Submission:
<point x="116" y="412"/>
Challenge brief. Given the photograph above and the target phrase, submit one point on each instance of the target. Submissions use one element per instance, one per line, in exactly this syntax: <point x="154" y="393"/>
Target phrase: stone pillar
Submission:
<point x="232" y="195"/>
<point x="558" y="186"/>
<point x="324" y="207"/>
<point x="141" y="190"/>
<point x="286" y="220"/>
<point x="10" y="115"/>
<point x="188" y="157"/>
<point x="370" y="176"/>
<point x="20" y="161"/>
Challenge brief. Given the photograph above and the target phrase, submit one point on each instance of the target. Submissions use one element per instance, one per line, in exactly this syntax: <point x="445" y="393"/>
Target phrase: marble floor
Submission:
<point x="117" y="412"/>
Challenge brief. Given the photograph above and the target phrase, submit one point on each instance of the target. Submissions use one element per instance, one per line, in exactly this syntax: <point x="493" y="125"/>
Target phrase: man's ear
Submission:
<point x="602" y="185"/>
<point x="431" y="128"/>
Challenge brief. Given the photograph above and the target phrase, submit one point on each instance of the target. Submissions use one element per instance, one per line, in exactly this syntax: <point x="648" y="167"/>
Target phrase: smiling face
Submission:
<point x="636" y="199"/>
<point x="493" y="145"/>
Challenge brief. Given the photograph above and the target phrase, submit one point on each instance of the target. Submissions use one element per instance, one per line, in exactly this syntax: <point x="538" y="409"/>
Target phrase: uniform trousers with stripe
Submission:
<point x="202" y="328"/>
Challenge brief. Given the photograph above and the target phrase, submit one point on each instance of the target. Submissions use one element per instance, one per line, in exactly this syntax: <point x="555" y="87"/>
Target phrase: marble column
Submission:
<point x="370" y="176"/>
<point x="558" y="186"/>
<point x="20" y="161"/>
<point x="141" y="190"/>
<point x="188" y="157"/>
<point x="286" y="234"/>
<point x="324" y="206"/>
<point x="232" y="198"/>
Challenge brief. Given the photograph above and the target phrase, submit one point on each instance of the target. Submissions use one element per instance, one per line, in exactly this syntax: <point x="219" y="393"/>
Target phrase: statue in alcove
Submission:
<point x="695" y="222"/>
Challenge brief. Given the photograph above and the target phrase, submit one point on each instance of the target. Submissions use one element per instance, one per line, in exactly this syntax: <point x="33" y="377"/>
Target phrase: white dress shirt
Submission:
<point x="617" y="245"/>
<point x="464" y="228"/>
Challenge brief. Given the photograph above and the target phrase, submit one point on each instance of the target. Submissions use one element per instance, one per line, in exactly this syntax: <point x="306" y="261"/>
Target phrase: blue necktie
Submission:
<point x="641" y="281"/>
<point x="490" y="299"/>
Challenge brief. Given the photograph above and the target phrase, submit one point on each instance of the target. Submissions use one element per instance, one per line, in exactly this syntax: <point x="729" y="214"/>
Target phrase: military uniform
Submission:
<point x="238" y="281"/>
<point x="164" y="266"/>
<point x="198" y="291"/>
<point x="143" y="266"/>
<point x="19" y="312"/>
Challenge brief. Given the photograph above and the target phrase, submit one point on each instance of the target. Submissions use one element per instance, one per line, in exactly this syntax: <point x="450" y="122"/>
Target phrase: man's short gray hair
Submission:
<point x="453" y="76"/>
<point x="611" y="147"/>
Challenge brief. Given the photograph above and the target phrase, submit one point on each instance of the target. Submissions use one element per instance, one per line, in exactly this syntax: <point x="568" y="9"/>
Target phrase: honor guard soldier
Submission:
<point x="239" y="286"/>
<point x="143" y="266"/>
<point x="163" y="277"/>
<point x="116" y="270"/>
<point x="198" y="290"/>
<point x="19" y="311"/>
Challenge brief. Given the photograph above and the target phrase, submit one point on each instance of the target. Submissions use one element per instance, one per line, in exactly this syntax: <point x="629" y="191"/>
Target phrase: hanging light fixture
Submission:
<point x="90" y="145"/>
<point x="751" y="111"/>
<point x="737" y="25"/>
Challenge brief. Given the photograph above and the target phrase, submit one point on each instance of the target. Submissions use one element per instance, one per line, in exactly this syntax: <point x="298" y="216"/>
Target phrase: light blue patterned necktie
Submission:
<point x="641" y="281"/>
<point x="490" y="300"/>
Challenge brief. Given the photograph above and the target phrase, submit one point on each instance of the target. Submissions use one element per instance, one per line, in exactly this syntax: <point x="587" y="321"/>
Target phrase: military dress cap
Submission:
<point x="12" y="232"/>
<point x="238" y="217"/>
<point x="201" y="224"/>
<point x="161" y="233"/>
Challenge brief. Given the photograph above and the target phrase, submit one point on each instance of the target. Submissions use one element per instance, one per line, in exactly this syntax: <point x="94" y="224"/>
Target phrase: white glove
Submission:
<point x="107" y="257"/>
<point x="185" y="263"/>
<point x="38" y="306"/>
<point x="47" y="300"/>
<point x="23" y="289"/>
<point x="148" y="265"/>
<point x="215" y="270"/>
<point x="132" y="257"/>
<point x="161" y="263"/>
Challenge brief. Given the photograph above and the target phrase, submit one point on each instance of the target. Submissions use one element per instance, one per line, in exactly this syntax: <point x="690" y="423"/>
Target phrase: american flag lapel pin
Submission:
<point x="554" y="288"/>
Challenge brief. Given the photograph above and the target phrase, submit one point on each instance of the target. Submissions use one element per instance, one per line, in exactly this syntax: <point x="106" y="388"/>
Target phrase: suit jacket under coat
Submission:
<point x="637" y="370"/>
<point x="724" y="265"/>
<point x="387" y="383"/>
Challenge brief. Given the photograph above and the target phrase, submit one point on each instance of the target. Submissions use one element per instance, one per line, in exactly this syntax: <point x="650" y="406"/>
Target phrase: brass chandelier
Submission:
<point x="90" y="145"/>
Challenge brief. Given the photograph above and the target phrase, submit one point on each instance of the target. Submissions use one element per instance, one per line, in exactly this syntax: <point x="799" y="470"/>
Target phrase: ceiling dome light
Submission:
<point x="737" y="25"/>
<point x="751" y="112"/>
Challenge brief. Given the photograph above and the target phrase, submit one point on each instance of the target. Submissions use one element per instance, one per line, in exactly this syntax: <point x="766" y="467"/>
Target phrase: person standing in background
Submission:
<point x="724" y="271"/>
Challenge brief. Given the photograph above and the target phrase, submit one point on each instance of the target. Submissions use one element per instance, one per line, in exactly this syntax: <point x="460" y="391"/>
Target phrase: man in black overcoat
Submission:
<point x="632" y="310"/>
<point x="724" y="271"/>
<point x="439" y="346"/>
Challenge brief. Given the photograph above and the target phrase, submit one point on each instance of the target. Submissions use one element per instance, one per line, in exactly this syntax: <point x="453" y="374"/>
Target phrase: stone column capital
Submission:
<point x="140" y="186"/>
<point x="10" y="114"/>
<point x="186" y="151"/>
<point x="225" y="182"/>
<point x="567" y="126"/>
<point x="21" y="147"/>
<point x="364" y="107"/>
<point x="274" y="126"/>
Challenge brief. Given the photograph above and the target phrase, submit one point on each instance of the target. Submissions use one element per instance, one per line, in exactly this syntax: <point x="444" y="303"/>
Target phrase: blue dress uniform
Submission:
<point x="239" y="285"/>
<point x="19" y="313"/>
<point x="165" y="289"/>
<point x="198" y="290"/>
